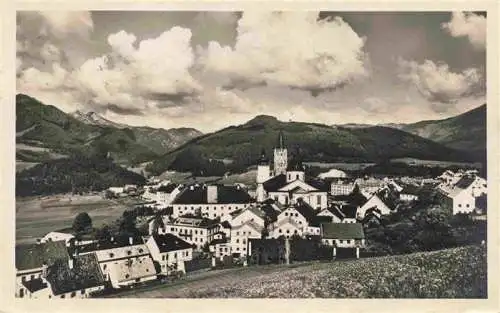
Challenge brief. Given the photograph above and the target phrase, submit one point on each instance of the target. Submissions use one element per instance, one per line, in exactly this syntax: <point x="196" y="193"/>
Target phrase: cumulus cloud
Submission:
<point x="293" y="49"/>
<point x="468" y="25"/>
<point x="134" y="77"/>
<point x="438" y="84"/>
<point x="46" y="37"/>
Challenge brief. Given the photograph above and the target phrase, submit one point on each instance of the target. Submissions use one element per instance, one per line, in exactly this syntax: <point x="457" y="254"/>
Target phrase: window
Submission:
<point x="244" y="249"/>
<point x="175" y="254"/>
<point x="23" y="279"/>
<point x="141" y="250"/>
<point x="467" y="205"/>
<point x="201" y="239"/>
<point x="287" y="231"/>
<point x="129" y="252"/>
<point x="171" y="229"/>
<point x="459" y="205"/>
<point x="104" y="267"/>
<point x="318" y="199"/>
<point x="163" y="257"/>
<point x="296" y="215"/>
<point x="237" y="233"/>
<point x="286" y="214"/>
<point x="196" y="232"/>
<point x="341" y="241"/>
<point x="295" y="232"/>
<point x="73" y="294"/>
<point x="297" y="176"/>
<point x="32" y="277"/>
<point x="63" y="296"/>
<point x="244" y="241"/>
<point x="280" y="230"/>
<point x="238" y="249"/>
<point x="21" y="292"/>
<point x="237" y="241"/>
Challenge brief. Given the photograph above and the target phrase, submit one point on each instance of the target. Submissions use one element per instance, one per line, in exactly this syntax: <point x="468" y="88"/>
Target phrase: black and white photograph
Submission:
<point x="251" y="154"/>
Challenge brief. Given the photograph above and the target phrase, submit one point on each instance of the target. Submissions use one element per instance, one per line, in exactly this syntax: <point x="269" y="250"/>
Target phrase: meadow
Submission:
<point x="452" y="273"/>
<point x="36" y="216"/>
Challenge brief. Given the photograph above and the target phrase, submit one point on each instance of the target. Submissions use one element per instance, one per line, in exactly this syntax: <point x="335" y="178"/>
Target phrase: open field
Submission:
<point x="36" y="216"/>
<point x="413" y="161"/>
<point x="451" y="273"/>
<point x="340" y="166"/>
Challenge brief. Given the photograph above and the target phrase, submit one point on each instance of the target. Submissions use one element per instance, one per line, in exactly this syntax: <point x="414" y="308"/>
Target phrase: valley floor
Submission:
<point x="451" y="273"/>
<point x="37" y="216"/>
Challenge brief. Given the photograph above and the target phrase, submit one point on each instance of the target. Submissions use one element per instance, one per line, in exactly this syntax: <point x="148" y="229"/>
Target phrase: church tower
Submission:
<point x="263" y="174"/>
<point x="280" y="157"/>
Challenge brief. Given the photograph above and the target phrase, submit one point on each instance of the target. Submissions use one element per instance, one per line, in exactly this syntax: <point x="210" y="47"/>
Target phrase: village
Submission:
<point x="289" y="217"/>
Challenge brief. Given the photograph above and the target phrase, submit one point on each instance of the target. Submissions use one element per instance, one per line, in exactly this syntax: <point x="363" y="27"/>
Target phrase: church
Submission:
<point x="286" y="182"/>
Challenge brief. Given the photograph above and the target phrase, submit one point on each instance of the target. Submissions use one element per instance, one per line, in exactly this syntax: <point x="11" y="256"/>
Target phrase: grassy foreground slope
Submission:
<point x="452" y="273"/>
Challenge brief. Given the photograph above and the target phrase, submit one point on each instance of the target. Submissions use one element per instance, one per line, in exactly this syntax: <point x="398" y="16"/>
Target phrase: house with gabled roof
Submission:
<point x="123" y="263"/>
<point x="32" y="259"/>
<point x="461" y="197"/>
<point x="333" y="212"/>
<point x="287" y="227"/>
<point x="80" y="277"/>
<point x="374" y="203"/>
<point x="409" y="192"/>
<point x="343" y="235"/>
<point x="170" y="252"/>
<point x="251" y="213"/>
<point x="240" y="235"/>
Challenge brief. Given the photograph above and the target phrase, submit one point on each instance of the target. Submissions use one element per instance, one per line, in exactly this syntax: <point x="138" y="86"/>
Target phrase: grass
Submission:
<point x="37" y="216"/>
<point x="452" y="273"/>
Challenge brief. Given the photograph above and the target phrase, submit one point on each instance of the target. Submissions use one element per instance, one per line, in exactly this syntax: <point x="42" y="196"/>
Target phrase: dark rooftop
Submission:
<point x="170" y="242"/>
<point x="34" y="285"/>
<point x="465" y="182"/>
<point x="275" y="183"/>
<point x="225" y="195"/>
<point x="349" y="211"/>
<point x="226" y="224"/>
<point x="117" y="242"/>
<point x="86" y="273"/>
<point x="33" y="256"/>
<point x="168" y="188"/>
<point x="342" y="231"/>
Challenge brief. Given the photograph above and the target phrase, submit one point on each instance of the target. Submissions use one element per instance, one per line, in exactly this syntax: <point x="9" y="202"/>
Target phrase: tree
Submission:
<point x="103" y="233"/>
<point x="82" y="222"/>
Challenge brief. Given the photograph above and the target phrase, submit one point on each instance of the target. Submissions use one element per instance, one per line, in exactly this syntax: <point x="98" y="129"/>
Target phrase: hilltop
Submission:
<point x="466" y="131"/>
<point x="314" y="142"/>
<point x="44" y="133"/>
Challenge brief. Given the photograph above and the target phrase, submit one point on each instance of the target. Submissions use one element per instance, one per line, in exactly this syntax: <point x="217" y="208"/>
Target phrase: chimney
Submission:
<point x="212" y="194"/>
<point x="130" y="240"/>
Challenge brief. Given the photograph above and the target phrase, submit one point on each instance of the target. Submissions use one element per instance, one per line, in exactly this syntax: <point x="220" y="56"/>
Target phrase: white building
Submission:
<point x="240" y="235"/>
<point x="370" y="185"/>
<point x="57" y="236"/>
<point x="333" y="173"/>
<point x="341" y="187"/>
<point x="211" y="201"/>
<point x="163" y="195"/>
<point x="373" y="203"/>
<point x="195" y="230"/>
<point x="252" y="214"/>
<point x="123" y="263"/>
<point x="461" y="196"/>
<point x="170" y="251"/>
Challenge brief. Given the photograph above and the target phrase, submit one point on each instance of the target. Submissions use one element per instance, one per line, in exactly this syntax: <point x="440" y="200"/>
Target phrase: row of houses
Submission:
<point x="67" y="269"/>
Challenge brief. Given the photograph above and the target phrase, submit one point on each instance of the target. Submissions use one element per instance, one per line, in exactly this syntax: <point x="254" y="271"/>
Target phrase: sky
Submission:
<point x="210" y="70"/>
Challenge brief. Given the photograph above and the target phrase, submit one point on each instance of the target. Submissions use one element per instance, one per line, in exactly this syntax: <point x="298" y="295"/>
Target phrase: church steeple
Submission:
<point x="281" y="143"/>
<point x="280" y="156"/>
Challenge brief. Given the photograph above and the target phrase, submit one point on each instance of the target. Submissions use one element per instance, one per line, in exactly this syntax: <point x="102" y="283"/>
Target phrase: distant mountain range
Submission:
<point x="466" y="131"/>
<point x="44" y="132"/>
<point x="313" y="142"/>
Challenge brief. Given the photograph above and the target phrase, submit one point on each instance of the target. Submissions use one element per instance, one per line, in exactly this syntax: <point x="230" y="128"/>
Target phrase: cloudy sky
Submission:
<point x="209" y="70"/>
